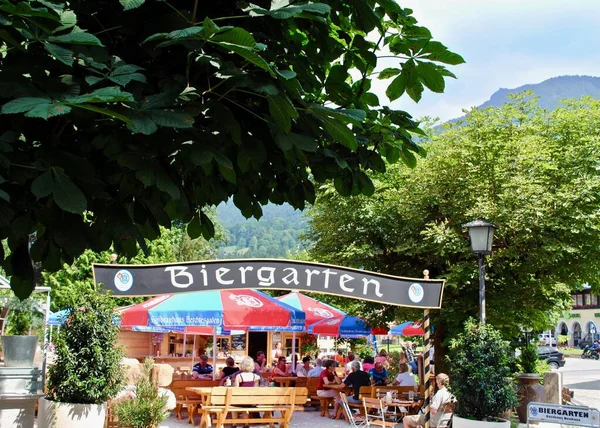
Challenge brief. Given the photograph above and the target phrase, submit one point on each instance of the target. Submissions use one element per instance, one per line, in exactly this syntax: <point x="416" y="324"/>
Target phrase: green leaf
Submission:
<point x="172" y="118"/>
<point x="62" y="54"/>
<point x="77" y="38"/>
<point x="225" y="168"/>
<point x="124" y="74"/>
<point x="208" y="229"/>
<point x="183" y="33"/>
<point x="93" y="80"/>
<point x="68" y="19"/>
<point x="321" y="8"/>
<point x="4" y="195"/>
<point x="194" y="228"/>
<point x="431" y="77"/>
<point x="248" y="54"/>
<point x="42" y="186"/>
<point x="340" y="132"/>
<point x="354" y="116"/>
<point x="396" y="88"/>
<point x="104" y="111"/>
<point x="46" y="111"/>
<point x="388" y="72"/>
<point x="279" y="107"/>
<point x="210" y="27"/>
<point x="67" y="195"/>
<point x="409" y="158"/>
<point x="21" y="105"/>
<point x="286" y="74"/>
<point x="236" y="36"/>
<point x="440" y="53"/>
<point x="22" y="280"/>
<point x="165" y="183"/>
<point x="110" y="94"/>
<point x="142" y="124"/>
<point x="131" y="4"/>
<point x="365" y="184"/>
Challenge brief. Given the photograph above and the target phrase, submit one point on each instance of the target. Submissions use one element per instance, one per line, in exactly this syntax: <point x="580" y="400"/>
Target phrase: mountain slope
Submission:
<point x="551" y="91"/>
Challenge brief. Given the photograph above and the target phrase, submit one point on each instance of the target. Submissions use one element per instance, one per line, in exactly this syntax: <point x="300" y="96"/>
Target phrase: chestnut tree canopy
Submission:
<point x="119" y="117"/>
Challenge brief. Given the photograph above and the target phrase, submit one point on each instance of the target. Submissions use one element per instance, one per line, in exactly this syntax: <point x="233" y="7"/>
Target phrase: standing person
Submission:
<point x="379" y="375"/>
<point x="317" y="369"/>
<point x="261" y="362"/>
<point x="405" y="376"/>
<point x="277" y="352"/>
<point x="202" y="368"/>
<point x="410" y="357"/>
<point x="339" y="358"/>
<point x="327" y="378"/>
<point x="436" y="408"/>
<point x="356" y="380"/>
<point x="304" y="369"/>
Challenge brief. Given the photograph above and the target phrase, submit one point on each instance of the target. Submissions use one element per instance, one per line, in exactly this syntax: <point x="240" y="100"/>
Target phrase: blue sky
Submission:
<point x="506" y="43"/>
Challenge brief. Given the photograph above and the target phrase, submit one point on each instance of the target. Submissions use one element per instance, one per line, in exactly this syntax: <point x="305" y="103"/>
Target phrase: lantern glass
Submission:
<point x="482" y="236"/>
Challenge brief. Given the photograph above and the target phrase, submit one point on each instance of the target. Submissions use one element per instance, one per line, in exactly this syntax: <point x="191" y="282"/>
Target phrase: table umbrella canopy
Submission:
<point x="229" y="309"/>
<point x="409" y="328"/>
<point x="314" y="310"/>
<point x="344" y="326"/>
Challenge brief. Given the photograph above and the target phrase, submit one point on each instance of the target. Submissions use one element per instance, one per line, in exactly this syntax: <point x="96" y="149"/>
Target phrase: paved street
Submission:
<point x="583" y="376"/>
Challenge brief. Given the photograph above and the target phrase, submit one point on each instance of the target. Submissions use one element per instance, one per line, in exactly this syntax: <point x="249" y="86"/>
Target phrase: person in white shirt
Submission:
<point x="305" y="368"/>
<point x="316" y="370"/>
<point x="351" y="358"/>
<point x="405" y="377"/>
<point x="436" y="408"/>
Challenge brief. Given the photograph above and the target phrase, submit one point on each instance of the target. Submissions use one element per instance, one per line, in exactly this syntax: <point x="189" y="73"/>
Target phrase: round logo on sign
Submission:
<point x="533" y="410"/>
<point x="123" y="280"/>
<point x="416" y="292"/>
<point x="321" y="312"/>
<point x="245" y="300"/>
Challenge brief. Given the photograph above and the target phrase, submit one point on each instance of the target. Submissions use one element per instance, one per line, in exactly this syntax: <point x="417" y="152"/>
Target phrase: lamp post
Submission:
<point x="482" y="236"/>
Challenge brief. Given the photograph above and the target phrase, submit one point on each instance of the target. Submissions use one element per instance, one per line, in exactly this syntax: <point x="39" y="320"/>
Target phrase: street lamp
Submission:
<point x="482" y="236"/>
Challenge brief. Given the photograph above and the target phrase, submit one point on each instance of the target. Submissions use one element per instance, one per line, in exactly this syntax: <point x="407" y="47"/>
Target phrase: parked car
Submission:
<point x="547" y="339"/>
<point x="555" y="358"/>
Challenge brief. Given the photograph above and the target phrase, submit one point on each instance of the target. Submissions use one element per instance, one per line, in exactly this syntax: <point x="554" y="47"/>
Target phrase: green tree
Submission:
<point x="531" y="172"/>
<point x="122" y="121"/>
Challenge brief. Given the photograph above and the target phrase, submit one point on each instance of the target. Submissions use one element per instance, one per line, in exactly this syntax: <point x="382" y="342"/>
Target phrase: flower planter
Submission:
<point x="53" y="414"/>
<point x="19" y="351"/>
<point x="458" y="422"/>
<point x="529" y="390"/>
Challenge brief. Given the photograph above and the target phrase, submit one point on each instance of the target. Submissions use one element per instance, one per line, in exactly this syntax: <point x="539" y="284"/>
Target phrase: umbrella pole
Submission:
<point x="214" y="352"/>
<point x="184" y="344"/>
<point x="294" y="352"/>
<point x="194" y="351"/>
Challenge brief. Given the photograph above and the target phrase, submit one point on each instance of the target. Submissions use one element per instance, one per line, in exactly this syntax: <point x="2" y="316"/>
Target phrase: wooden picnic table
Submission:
<point x="204" y="392"/>
<point x="284" y="381"/>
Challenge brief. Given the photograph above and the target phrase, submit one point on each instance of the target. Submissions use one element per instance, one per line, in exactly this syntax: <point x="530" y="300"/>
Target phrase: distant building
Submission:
<point x="582" y="321"/>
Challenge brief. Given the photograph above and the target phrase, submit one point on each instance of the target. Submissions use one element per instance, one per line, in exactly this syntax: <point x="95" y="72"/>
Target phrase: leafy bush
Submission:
<point x="88" y="362"/>
<point x="563" y="340"/>
<point x="481" y="362"/>
<point x="145" y="408"/>
<point x="19" y="322"/>
<point x="529" y="358"/>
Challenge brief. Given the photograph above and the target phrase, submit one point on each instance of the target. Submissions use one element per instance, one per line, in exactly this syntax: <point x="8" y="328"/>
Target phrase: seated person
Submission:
<point x="440" y="399"/>
<point x="405" y="376"/>
<point x="368" y="363"/>
<point x="379" y="375"/>
<point x="326" y="379"/>
<point x="202" y="369"/>
<point x="304" y="369"/>
<point x="281" y="369"/>
<point x="246" y="376"/>
<point x="229" y="368"/>
<point x="356" y="379"/>
<point x="260" y="365"/>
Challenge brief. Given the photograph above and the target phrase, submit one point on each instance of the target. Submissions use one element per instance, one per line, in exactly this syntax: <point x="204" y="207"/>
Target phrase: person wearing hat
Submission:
<point x="202" y="368"/>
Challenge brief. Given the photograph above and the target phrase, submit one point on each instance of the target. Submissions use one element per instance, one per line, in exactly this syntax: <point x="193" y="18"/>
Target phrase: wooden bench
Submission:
<point x="224" y="400"/>
<point x="185" y="398"/>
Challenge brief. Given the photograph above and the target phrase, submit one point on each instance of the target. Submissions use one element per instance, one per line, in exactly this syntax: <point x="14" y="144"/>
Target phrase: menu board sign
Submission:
<point x="238" y="342"/>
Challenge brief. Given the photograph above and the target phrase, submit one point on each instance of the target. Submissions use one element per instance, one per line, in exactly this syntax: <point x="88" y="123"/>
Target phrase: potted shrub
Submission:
<point x="529" y="387"/>
<point x="19" y="346"/>
<point x="87" y="370"/>
<point x="142" y="407"/>
<point x="481" y="364"/>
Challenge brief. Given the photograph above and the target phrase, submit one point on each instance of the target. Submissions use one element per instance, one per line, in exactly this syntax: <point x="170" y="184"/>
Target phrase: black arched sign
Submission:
<point x="277" y="274"/>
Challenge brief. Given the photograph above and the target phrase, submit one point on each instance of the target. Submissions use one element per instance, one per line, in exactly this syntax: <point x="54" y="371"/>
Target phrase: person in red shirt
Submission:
<point x="326" y="379"/>
<point x="281" y="369"/>
<point x="339" y="359"/>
